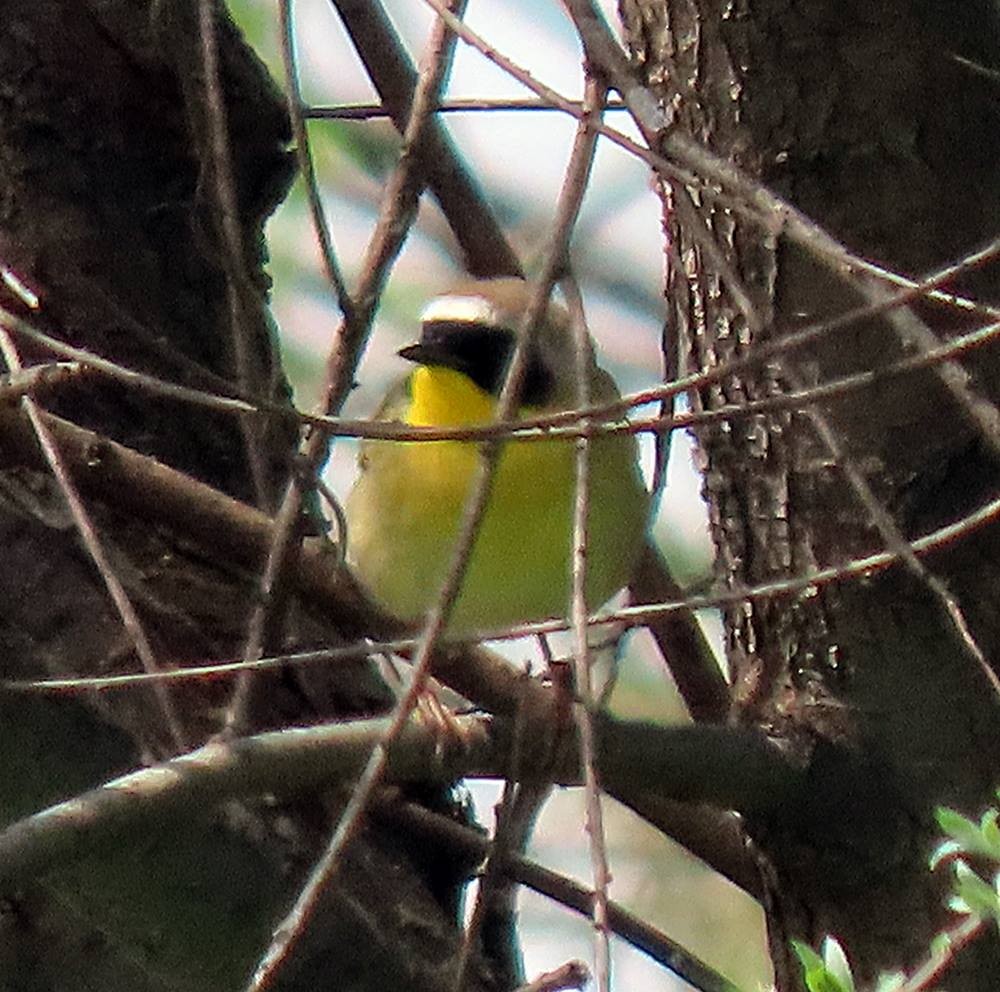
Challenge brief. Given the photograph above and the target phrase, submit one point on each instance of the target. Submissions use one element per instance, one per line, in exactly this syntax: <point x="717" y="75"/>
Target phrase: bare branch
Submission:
<point x="725" y="766"/>
<point x="399" y="210"/>
<point x="374" y="111"/>
<point x="473" y="223"/>
<point x="92" y="542"/>
<point x="38" y="378"/>
<point x="566" y="892"/>
<point x="941" y="960"/>
<point x="897" y="543"/>
<point x="242" y="302"/>
<point x="303" y="153"/>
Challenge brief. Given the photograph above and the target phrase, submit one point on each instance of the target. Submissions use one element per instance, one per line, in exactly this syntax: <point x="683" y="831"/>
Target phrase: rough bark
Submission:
<point x="863" y="117"/>
<point x="108" y="210"/>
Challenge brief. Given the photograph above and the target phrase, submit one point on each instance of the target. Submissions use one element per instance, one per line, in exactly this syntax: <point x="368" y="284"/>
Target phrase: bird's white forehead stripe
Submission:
<point x="459" y="309"/>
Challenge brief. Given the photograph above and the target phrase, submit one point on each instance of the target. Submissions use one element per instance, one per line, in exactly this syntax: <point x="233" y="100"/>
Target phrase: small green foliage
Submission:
<point x="829" y="973"/>
<point x="973" y="895"/>
<point x="990" y="829"/>
<point x="941" y="945"/>
<point x="890" y="981"/>
<point x="837" y="963"/>
<point x="964" y="836"/>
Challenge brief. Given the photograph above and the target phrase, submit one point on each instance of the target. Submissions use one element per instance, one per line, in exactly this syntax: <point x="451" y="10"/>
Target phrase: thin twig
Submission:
<point x="866" y="566"/>
<point x="485" y="250"/>
<point x="39" y="378"/>
<point x="896" y="541"/>
<point x="571" y="975"/>
<point x="566" y="423"/>
<point x="399" y="209"/>
<point x="938" y="964"/>
<point x="92" y="542"/>
<point x="267" y="612"/>
<point x="976" y="67"/>
<point x="303" y="154"/>
<point x="139" y="380"/>
<point x="979" y="411"/>
<point x="593" y="814"/>
<point x="233" y="255"/>
<point x="209" y="672"/>
<point x="374" y="111"/>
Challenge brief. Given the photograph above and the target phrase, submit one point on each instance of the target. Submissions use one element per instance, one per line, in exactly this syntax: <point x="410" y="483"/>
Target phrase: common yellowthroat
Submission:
<point x="405" y="509"/>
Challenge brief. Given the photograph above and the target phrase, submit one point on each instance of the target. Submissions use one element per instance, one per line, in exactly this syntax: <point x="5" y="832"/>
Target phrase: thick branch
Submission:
<point x="725" y="766"/>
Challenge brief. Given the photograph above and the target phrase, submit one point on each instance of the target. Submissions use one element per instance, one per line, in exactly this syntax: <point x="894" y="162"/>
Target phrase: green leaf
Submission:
<point x="978" y="895"/>
<point x="957" y="905"/>
<point x="816" y="972"/>
<point x="981" y="838"/>
<point x="808" y="958"/>
<point x="941" y="945"/>
<point x="960" y="828"/>
<point x="945" y="850"/>
<point x="990" y="831"/>
<point x="837" y="963"/>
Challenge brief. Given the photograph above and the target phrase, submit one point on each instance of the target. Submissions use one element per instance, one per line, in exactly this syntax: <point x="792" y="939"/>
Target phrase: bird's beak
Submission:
<point x="413" y="353"/>
<point x="424" y="353"/>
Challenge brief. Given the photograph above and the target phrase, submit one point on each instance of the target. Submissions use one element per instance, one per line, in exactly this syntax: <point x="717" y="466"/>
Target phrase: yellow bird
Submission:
<point x="405" y="509"/>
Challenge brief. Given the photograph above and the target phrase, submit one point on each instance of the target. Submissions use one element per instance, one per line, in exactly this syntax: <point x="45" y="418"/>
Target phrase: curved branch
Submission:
<point x="565" y="891"/>
<point x="728" y="767"/>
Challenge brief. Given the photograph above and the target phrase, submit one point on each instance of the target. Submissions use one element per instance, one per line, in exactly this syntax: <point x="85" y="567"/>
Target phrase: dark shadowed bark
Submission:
<point x="109" y="211"/>
<point x="874" y="119"/>
<point x="866" y="117"/>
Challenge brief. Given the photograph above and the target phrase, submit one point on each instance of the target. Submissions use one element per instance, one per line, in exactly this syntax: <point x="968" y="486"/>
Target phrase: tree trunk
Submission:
<point x="873" y="120"/>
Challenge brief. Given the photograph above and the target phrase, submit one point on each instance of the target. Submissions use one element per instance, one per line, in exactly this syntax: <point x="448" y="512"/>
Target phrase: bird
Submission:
<point x="404" y="511"/>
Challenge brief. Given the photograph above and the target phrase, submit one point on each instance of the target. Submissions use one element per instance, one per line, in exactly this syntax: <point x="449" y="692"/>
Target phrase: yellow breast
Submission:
<point x="406" y="508"/>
